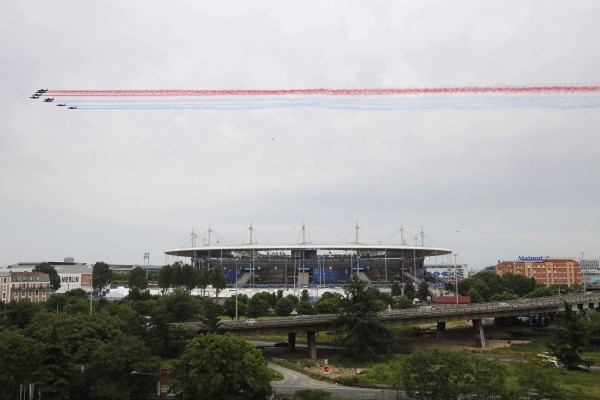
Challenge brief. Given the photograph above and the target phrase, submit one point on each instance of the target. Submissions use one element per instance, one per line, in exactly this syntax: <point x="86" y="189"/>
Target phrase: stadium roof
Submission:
<point x="384" y="250"/>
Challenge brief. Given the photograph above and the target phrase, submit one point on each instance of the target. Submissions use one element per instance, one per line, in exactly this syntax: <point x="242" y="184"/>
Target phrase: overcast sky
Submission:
<point x="114" y="184"/>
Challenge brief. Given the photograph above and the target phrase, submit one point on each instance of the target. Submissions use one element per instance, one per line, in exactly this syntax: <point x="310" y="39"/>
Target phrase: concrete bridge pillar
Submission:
<point x="479" y="335"/>
<point x="312" y="345"/>
<point x="292" y="341"/>
<point x="441" y="330"/>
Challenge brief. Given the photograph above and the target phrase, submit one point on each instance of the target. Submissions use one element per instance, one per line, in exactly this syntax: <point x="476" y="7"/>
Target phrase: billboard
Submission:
<point x="86" y="280"/>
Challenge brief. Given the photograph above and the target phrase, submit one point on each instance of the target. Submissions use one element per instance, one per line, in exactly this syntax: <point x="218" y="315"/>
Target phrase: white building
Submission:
<point x="72" y="275"/>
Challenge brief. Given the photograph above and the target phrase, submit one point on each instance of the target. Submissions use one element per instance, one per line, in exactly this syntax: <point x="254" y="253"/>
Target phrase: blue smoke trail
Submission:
<point x="361" y="103"/>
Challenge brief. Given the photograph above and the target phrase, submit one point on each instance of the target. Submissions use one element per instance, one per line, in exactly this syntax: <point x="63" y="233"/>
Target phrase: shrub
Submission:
<point x="312" y="394"/>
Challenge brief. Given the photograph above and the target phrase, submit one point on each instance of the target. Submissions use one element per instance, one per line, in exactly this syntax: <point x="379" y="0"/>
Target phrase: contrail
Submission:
<point x="472" y="97"/>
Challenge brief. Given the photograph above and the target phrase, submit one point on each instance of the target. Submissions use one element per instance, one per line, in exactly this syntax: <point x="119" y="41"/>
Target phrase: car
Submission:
<point x="226" y="322"/>
<point x="283" y="343"/>
<point x="250" y="322"/>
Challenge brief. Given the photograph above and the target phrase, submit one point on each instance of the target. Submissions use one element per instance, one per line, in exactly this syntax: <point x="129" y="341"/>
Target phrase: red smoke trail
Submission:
<point x="324" y="91"/>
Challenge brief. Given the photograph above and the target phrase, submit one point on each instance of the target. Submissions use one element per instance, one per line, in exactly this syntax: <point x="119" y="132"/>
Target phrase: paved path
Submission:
<point x="293" y="381"/>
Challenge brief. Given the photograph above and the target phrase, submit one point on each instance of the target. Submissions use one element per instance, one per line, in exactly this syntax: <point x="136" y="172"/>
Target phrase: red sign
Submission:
<point x="86" y="280"/>
<point x="327" y="369"/>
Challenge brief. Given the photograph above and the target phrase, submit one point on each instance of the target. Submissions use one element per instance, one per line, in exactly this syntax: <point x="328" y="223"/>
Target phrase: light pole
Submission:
<point x="455" y="273"/>
<point x="91" y="288"/>
<point x="236" y="288"/>
<point x="455" y="279"/>
<point x="149" y="374"/>
<point x="581" y="272"/>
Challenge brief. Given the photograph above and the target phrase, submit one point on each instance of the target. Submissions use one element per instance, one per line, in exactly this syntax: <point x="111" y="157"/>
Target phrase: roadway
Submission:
<point x="410" y="316"/>
<point x="294" y="381"/>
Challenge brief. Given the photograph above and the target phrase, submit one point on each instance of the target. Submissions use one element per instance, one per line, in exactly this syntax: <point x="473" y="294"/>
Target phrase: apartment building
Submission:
<point x="545" y="270"/>
<point x="34" y="286"/>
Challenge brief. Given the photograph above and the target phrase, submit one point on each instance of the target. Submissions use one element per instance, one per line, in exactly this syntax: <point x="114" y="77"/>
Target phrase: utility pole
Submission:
<point x="581" y="271"/>
<point x="455" y="266"/>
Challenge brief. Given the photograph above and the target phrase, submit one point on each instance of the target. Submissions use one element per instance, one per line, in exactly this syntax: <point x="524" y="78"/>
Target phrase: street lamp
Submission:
<point x="143" y="373"/>
<point x="236" y="288"/>
<point x="149" y="374"/>
<point x="455" y="274"/>
<point x="581" y="272"/>
<point x="91" y="287"/>
<point x="455" y="279"/>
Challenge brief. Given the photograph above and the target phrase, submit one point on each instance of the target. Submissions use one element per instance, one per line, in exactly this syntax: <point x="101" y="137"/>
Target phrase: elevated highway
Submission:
<point x="310" y="324"/>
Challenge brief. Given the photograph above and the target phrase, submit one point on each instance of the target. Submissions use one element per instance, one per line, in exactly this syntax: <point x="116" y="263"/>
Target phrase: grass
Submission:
<point x="575" y="383"/>
<point x="374" y="372"/>
<point x="275" y="375"/>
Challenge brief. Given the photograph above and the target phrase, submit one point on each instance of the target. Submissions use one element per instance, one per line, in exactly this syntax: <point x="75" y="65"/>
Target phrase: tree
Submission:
<point x="203" y="279"/>
<point x="137" y="278"/>
<point x="101" y="275"/>
<point x="423" y="291"/>
<point x="56" y="371"/>
<point x="222" y="367"/>
<point x="359" y="329"/>
<point x="178" y="306"/>
<point x="229" y="305"/>
<point x="217" y="279"/>
<point x="283" y="307"/>
<point x="49" y="269"/>
<point x="111" y="365"/>
<point x="568" y="339"/>
<point x="593" y="329"/>
<point x="396" y="289"/>
<point x="189" y="277"/>
<point x="292" y="298"/>
<point x="540" y="291"/>
<point x="409" y="290"/>
<point x="304" y="296"/>
<point x="518" y="284"/>
<point x="19" y="357"/>
<point x="538" y="384"/>
<point x="329" y="303"/>
<point x="305" y="308"/>
<point x="102" y="349"/>
<point x="257" y="306"/>
<point x="442" y="375"/>
<point x="164" y="278"/>
<point x="210" y="312"/>
<point x="19" y="313"/>
<point x="176" y="274"/>
<point x="403" y="302"/>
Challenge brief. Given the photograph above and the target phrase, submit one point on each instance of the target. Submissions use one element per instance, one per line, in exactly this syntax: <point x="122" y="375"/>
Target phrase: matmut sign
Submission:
<point x="531" y="258"/>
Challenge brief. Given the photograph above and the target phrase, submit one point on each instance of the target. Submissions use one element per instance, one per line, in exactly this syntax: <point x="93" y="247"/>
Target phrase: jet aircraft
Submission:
<point x="61" y="105"/>
<point x="49" y="100"/>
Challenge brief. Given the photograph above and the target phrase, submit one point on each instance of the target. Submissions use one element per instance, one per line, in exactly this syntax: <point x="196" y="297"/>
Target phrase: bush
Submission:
<point x="347" y="380"/>
<point x="306" y="363"/>
<point x="312" y="394"/>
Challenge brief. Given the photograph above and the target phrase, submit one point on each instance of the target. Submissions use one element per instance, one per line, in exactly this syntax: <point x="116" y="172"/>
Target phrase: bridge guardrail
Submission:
<point x="407" y="313"/>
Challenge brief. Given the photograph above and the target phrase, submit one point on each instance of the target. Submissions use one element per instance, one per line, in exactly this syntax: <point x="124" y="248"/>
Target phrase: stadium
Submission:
<point x="307" y="263"/>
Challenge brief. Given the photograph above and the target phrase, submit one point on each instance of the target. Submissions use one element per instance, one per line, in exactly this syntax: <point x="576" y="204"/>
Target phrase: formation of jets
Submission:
<point x="38" y="93"/>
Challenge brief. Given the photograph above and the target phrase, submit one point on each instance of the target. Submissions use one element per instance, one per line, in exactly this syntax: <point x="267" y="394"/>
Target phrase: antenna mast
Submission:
<point x="193" y="238"/>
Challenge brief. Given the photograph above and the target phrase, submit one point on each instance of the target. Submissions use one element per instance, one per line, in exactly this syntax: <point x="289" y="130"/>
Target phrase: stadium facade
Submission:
<point x="309" y="263"/>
